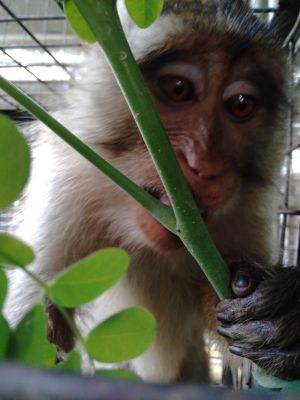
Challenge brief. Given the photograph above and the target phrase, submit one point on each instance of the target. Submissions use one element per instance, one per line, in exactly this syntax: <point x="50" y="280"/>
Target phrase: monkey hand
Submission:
<point x="263" y="322"/>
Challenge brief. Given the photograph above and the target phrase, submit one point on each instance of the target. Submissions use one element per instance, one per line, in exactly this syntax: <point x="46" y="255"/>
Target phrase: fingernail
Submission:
<point x="238" y="351"/>
<point x="221" y="317"/>
<point x="223" y="331"/>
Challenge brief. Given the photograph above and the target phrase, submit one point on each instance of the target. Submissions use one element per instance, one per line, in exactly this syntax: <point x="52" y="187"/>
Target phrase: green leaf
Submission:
<point x="14" y="162"/>
<point x="117" y="373"/>
<point x="14" y="252"/>
<point x="4" y="336"/>
<point x="293" y="386"/>
<point x="71" y="363"/>
<point x="265" y="380"/>
<point x="88" y="278"/>
<point x="78" y="23"/>
<point x="144" y="12"/>
<point x="29" y="343"/>
<point x="123" y="336"/>
<point x="3" y="288"/>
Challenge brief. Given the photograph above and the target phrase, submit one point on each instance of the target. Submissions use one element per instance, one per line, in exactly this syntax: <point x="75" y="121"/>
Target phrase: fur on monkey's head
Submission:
<point x="201" y="6"/>
<point x="232" y="17"/>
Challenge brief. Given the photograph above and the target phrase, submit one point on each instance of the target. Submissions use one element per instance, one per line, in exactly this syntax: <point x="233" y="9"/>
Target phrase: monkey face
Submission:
<point x="218" y="115"/>
<point x="220" y="104"/>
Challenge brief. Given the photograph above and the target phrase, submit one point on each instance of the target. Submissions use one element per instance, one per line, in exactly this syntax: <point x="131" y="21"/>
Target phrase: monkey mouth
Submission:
<point x="156" y="234"/>
<point x="159" y="194"/>
<point x="162" y="196"/>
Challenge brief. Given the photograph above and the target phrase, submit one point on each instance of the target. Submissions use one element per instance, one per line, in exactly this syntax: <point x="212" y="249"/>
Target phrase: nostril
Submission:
<point x="206" y="170"/>
<point x="203" y="168"/>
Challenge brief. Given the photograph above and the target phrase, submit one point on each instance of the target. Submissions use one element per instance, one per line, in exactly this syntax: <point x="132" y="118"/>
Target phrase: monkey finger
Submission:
<point x="240" y="309"/>
<point x="252" y="333"/>
<point x="283" y="363"/>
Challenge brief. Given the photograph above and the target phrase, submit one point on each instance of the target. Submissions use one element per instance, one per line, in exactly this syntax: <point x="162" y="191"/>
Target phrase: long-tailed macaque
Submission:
<point x="218" y="78"/>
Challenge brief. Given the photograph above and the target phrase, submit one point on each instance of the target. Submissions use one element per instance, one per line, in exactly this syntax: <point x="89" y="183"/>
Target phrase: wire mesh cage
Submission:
<point x="38" y="49"/>
<point x="40" y="53"/>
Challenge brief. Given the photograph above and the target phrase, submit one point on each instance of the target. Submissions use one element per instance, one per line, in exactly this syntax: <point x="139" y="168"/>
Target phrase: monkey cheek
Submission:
<point x="216" y="194"/>
<point x="156" y="235"/>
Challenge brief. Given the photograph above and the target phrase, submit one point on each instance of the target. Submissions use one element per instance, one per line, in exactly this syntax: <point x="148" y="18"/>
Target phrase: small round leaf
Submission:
<point x="14" y="162"/>
<point x="88" y="278"/>
<point x="14" y="252"/>
<point x="144" y="12"/>
<point x="71" y="363"/>
<point x="29" y="343"/>
<point x="78" y="23"/>
<point x="123" y="336"/>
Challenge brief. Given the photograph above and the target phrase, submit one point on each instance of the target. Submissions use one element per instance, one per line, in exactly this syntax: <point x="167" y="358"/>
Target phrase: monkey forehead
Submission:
<point x="198" y="6"/>
<point x="181" y="20"/>
<point x="143" y="40"/>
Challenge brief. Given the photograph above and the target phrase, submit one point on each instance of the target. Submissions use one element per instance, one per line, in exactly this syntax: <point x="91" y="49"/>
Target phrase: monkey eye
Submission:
<point x="240" y="106"/>
<point x="176" y="89"/>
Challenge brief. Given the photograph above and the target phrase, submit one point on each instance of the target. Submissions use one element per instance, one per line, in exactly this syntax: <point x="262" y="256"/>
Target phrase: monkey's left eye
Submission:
<point x="240" y="106"/>
<point x="176" y="89"/>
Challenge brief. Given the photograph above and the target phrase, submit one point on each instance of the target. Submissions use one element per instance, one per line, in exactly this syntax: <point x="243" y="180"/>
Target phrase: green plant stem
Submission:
<point x="102" y="17"/>
<point x="35" y="278"/>
<point x="62" y="311"/>
<point x="160" y="211"/>
<point x="74" y="329"/>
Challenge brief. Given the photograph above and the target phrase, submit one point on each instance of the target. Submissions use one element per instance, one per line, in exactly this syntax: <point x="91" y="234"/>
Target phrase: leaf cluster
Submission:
<point x="121" y="337"/>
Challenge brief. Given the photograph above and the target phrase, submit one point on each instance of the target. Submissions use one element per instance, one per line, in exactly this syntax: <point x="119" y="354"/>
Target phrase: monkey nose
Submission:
<point x="202" y="166"/>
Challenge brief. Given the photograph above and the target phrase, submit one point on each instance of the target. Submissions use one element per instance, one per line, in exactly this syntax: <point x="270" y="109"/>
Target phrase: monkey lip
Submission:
<point x="164" y="199"/>
<point x="160" y="237"/>
<point x="162" y="196"/>
<point x="159" y="194"/>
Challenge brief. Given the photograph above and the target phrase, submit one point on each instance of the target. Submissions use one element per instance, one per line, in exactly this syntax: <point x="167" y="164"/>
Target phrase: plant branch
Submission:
<point x="61" y="309"/>
<point x="160" y="211"/>
<point x="102" y="18"/>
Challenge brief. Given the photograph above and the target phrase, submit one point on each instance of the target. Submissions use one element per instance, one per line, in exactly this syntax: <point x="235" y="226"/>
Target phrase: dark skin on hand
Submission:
<point x="262" y="323"/>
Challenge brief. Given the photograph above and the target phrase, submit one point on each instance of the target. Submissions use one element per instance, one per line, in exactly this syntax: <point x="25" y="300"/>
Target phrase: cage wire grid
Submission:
<point x="38" y="50"/>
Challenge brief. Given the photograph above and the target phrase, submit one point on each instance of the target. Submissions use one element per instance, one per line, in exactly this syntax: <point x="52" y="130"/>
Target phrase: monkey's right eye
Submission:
<point x="176" y="89"/>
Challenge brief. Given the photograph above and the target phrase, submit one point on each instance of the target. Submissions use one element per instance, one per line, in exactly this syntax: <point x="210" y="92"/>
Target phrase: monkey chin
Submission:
<point x="156" y="235"/>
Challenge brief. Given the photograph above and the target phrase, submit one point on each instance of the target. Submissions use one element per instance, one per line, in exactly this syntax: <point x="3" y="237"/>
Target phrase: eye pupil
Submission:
<point x="242" y="102"/>
<point x="176" y="89"/>
<point x="179" y="89"/>
<point x="240" y="106"/>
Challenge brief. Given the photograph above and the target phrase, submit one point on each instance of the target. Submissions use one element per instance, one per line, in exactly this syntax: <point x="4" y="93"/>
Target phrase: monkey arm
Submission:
<point x="263" y="322"/>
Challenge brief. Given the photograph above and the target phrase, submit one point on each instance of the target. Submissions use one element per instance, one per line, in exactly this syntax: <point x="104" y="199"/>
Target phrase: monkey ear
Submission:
<point x="286" y="18"/>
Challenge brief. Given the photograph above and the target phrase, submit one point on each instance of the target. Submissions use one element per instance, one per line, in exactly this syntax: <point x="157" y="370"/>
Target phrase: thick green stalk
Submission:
<point x="161" y="212"/>
<point x="102" y="17"/>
